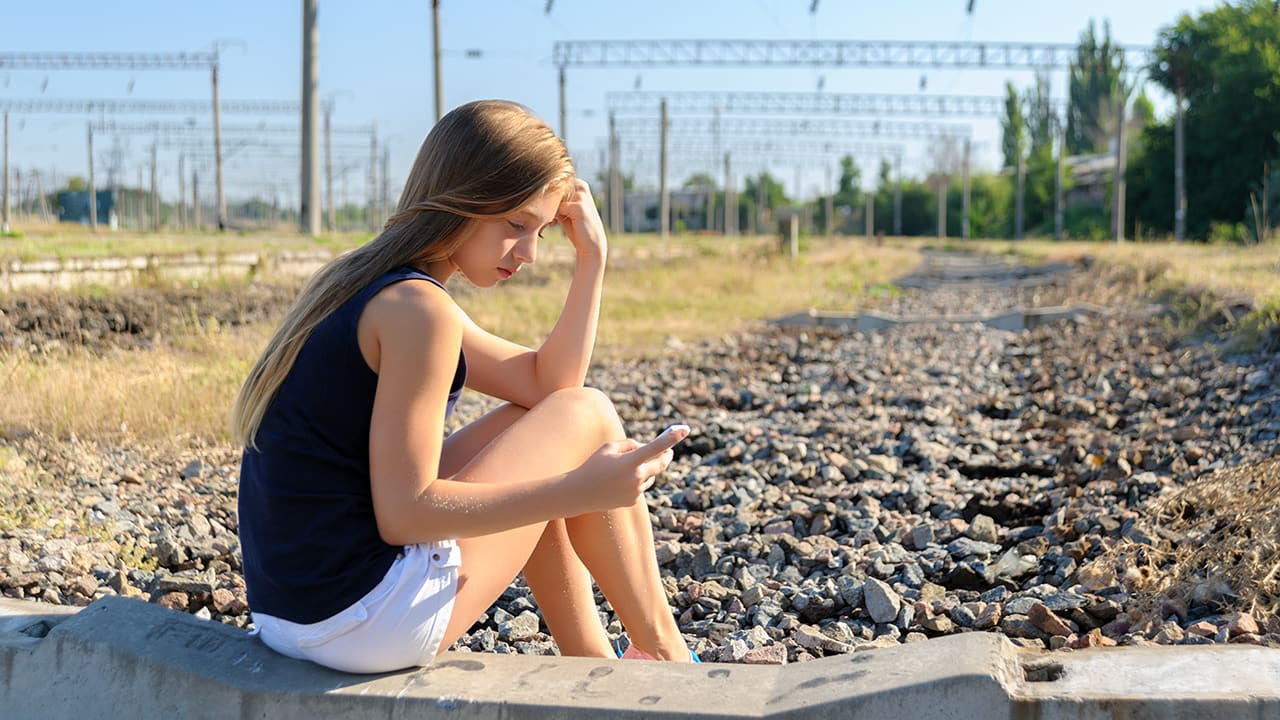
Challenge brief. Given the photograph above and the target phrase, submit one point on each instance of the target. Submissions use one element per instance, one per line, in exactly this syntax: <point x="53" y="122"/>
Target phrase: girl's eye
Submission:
<point x="516" y="226"/>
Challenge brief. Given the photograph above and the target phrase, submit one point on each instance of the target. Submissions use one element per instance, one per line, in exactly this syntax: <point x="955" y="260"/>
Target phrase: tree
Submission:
<point x="1227" y="61"/>
<point x="1012" y="127"/>
<point x="1095" y="84"/>
<point x="700" y="181"/>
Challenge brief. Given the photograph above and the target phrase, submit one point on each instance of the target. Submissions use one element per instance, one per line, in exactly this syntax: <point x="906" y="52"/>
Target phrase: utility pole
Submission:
<point x="1179" y="172"/>
<point x="155" y="195"/>
<point x="871" y="217"/>
<point x="830" y="206"/>
<point x="435" y="57"/>
<point x="384" y="184"/>
<point x="217" y="150"/>
<point x="664" y="198"/>
<point x="93" y="190"/>
<point x="616" y="221"/>
<point x="564" y="112"/>
<point x="1118" y="213"/>
<point x="195" y="199"/>
<point x="897" y="196"/>
<point x="4" y="216"/>
<point x="1019" y="195"/>
<point x="309" y="212"/>
<point x="1059" y="189"/>
<point x="182" y="192"/>
<point x="942" y="207"/>
<point x="373" y="179"/>
<point x="328" y="167"/>
<point x="730" y="200"/>
<point x="964" y="211"/>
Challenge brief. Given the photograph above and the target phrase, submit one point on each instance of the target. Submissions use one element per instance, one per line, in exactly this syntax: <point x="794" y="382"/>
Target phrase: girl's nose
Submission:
<point x="526" y="251"/>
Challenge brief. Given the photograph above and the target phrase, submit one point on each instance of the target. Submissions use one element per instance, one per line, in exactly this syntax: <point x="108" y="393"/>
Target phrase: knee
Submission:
<point x="587" y="406"/>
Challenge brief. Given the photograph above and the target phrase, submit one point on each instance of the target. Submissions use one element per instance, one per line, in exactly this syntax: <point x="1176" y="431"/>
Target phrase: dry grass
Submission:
<point x="1252" y="270"/>
<point x="1216" y="545"/>
<point x="165" y="395"/>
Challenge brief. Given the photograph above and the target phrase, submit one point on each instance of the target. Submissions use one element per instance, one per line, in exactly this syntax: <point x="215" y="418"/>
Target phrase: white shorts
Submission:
<point x="400" y="623"/>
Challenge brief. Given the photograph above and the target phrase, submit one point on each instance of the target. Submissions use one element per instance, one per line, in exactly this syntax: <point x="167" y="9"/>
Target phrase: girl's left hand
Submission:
<point x="581" y="222"/>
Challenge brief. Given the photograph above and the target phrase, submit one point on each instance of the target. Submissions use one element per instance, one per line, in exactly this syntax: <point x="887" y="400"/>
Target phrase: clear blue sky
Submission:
<point x="375" y="61"/>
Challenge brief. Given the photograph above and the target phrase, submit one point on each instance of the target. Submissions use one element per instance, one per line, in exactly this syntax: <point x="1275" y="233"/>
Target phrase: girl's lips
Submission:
<point x="504" y="273"/>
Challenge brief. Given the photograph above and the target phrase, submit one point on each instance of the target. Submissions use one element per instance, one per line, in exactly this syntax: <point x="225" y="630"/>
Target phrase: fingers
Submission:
<point x="667" y="439"/>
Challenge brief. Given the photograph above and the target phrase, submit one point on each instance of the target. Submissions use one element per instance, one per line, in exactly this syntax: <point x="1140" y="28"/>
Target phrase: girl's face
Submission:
<point x="494" y="250"/>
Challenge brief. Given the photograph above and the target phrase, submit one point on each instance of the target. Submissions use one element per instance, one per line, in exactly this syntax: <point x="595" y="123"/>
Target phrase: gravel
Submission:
<point x="840" y="491"/>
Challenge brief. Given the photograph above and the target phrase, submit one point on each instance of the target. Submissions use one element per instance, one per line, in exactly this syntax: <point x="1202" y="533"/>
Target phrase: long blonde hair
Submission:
<point x="482" y="160"/>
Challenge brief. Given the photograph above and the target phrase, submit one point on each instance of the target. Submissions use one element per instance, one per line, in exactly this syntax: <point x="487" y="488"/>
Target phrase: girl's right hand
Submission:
<point x="619" y="472"/>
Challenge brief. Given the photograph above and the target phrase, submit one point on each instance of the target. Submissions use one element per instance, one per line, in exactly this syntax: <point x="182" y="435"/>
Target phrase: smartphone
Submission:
<point x="670" y="430"/>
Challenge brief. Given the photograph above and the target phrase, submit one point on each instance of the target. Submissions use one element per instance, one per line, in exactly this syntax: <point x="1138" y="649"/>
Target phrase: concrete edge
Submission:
<point x="1012" y="320"/>
<point x="143" y="660"/>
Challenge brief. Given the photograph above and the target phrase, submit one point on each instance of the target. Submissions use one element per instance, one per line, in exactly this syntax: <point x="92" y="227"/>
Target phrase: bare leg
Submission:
<point x="558" y="579"/>
<point x="556" y="436"/>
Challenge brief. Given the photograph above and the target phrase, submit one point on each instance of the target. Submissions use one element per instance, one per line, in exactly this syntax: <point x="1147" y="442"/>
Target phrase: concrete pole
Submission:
<point x="664" y="197"/>
<point x="730" y="199"/>
<point x="615" y="180"/>
<point x="964" y="209"/>
<point x="384" y="184"/>
<point x="195" y="200"/>
<point x="4" y="215"/>
<point x="793" y="237"/>
<point x="155" y="193"/>
<point x="140" y="207"/>
<point x="1179" y="173"/>
<point x="942" y="208"/>
<point x="897" y="196"/>
<point x="331" y="224"/>
<point x="1059" y="187"/>
<point x="309" y="197"/>
<point x="373" y="180"/>
<point x="93" y="188"/>
<point x="761" y="211"/>
<point x="1118" y="200"/>
<point x="1019" y="196"/>
<point x="564" y="113"/>
<point x="830" y="206"/>
<point x="435" y="57"/>
<point x="871" y="217"/>
<point x="182" y="192"/>
<point x="217" y="150"/>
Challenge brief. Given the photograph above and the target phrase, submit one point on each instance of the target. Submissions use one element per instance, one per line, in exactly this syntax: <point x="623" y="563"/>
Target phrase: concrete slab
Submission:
<point x="1013" y="320"/>
<point x="127" y="658"/>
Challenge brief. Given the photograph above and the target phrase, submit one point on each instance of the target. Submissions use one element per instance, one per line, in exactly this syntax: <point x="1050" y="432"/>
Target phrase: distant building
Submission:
<point x="73" y="206"/>
<point x="688" y="210"/>
<point x="1089" y="177"/>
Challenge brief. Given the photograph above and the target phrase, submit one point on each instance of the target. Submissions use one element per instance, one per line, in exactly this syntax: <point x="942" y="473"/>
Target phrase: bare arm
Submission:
<point x="411" y="333"/>
<point x="523" y="376"/>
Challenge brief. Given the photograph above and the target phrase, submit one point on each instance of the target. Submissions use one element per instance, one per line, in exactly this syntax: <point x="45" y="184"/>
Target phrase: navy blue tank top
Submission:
<point x="308" y="536"/>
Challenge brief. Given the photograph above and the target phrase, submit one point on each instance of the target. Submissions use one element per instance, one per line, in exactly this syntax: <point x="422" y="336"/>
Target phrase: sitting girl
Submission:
<point x="371" y="541"/>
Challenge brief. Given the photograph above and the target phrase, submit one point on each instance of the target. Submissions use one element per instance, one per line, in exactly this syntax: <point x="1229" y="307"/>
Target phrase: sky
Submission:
<point x="375" y="65"/>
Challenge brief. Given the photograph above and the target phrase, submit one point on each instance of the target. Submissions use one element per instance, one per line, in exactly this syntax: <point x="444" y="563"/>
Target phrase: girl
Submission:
<point x="371" y="542"/>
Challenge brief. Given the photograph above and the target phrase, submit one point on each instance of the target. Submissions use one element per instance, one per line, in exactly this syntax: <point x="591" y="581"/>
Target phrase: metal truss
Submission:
<point x="771" y="127"/>
<point x="183" y="129"/>
<point x="837" y="53"/>
<point x="111" y="105"/>
<point x="688" y="146"/>
<point x="706" y="103"/>
<point x="107" y="61"/>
